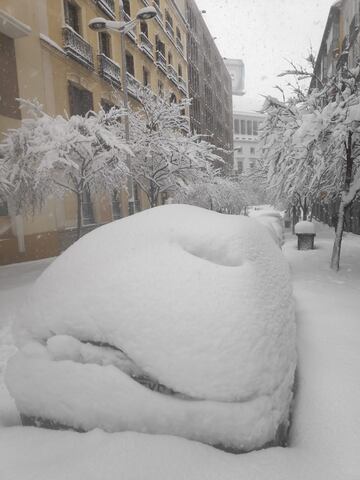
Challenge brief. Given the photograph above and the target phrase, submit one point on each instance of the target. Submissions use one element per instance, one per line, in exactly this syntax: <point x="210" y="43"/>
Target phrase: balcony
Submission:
<point x="109" y="70"/>
<point x="159" y="16"/>
<point x="146" y="46"/>
<point x="169" y="29"/>
<point x="77" y="48"/>
<point x="108" y="7"/>
<point x="179" y="45"/>
<point x="132" y="84"/>
<point x="131" y="33"/>
<point x="161" y="61"/>
<point x="172" y="75"/>
<point x="182" y="85"/>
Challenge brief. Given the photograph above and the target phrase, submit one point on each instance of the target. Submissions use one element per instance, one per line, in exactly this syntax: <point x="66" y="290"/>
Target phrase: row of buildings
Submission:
<point x="48" y="52"/>
<point x="340" y="46"/>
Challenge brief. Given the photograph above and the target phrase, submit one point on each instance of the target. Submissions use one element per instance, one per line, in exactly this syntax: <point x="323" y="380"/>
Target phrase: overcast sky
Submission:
<point x="264" y="33"/>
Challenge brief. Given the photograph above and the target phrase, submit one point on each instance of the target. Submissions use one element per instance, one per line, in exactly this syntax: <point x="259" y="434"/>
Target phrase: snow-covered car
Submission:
<point x="177" y="320"/>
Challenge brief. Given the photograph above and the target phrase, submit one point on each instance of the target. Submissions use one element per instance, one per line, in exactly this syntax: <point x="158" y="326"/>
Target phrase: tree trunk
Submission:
<point x="305" y="209"/>
<point x="153" y="196"/>
<point x="335" y="257"/>
<point x="79" y="215"/>
<point x="294" y="219"/>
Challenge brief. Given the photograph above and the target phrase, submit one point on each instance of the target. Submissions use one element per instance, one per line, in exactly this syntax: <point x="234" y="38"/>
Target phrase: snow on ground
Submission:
<point x="326" y="429"/>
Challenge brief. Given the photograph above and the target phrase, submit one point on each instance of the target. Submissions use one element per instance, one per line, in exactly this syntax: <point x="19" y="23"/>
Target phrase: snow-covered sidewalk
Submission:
<point x="326" y="428"/>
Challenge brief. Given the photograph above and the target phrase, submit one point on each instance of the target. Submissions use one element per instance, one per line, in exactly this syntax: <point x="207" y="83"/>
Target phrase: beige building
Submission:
<point x="48" y="52"/>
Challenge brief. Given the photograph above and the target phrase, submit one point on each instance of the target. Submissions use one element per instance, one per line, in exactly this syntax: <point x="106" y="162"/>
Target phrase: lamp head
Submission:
<point x="98" y="24"/>
<point x="146" y="13"/>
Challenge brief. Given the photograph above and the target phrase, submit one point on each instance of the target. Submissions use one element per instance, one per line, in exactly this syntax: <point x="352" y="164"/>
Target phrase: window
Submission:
<point x="4" y="212"/>
<point x="72" y="15"/>
<point x="239" y="150"/>
<point x="87" y="208"/>
<point x="180" y="72"/>
<point x="243" y="127"/>
<point x="170" y="58"/>
<point x="173" y="98"/>
<point x="144" y="28"/>
<point x="9" y="89"/>
<point x="130" y="64"/>
<point x="160" y="88"/>
<point x="160" y="46"/>
<point x="237" y="126"/>
<point x="255" y="128"/>
<point x="146" y="77"/>
<point x="178" y="33"/>
<point x="105" y="44"/>
<point x="252" y="164"/>
<point x="240" y="165"/>
<point x="116" y="205"/>
<point x="80" y="100"/>
<point x="252" y="150"/>
<point x="127" y="9"/>
<point x="249" y="130"/>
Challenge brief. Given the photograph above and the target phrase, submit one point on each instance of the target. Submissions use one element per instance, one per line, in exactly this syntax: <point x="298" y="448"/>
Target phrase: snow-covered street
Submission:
<point x="326" y="427"/>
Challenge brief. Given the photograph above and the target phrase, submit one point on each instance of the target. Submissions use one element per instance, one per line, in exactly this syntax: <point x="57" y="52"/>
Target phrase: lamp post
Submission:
<point x="100" y="25"/>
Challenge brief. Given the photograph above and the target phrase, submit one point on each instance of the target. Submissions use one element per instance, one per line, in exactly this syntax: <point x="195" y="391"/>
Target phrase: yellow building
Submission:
<point x="48" y="52"/>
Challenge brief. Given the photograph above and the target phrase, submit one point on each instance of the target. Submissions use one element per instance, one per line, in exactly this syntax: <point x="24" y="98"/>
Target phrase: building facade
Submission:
<point x="47" y="52"/>
<point x="247" y="147"/>
<point x="340" y="42"/>
<point x="209" y="84"/>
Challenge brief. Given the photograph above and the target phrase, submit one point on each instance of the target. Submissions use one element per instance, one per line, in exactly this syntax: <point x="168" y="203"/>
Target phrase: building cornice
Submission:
<point x="12" y="27"/>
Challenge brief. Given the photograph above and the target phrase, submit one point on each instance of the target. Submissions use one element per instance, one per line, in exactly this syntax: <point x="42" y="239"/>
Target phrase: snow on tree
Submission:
<point x="223" y="195"/>
<point x="50" y="155"/>
<point x="166" y="155"/>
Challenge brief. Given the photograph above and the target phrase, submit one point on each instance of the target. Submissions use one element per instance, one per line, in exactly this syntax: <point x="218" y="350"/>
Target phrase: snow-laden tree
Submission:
<point x="51" y="155"/>
<point x="166" y="155"/>
<point x="312" y="145"/>
<point x="223" y="195"/>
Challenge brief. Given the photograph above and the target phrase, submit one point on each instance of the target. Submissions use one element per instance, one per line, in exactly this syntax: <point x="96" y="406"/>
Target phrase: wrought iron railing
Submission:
<point x="161" y="61"/>
<point x="107" y="6"/>
<point x="76" y="47"/>
<point x="182" y="85"/>
<point x="169" y="29"/>
<point x="159" y="16"/>
<point x="109" y="70"/>
<point x="171" y="73"/>
<point x="132" y="84"/>
<point x="179" y="45"/>
<point x="146" y="45"/>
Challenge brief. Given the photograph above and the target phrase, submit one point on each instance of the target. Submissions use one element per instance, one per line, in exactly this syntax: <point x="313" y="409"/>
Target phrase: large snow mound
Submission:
<point x="273" y="220"/>
<point x="196" y="301"/>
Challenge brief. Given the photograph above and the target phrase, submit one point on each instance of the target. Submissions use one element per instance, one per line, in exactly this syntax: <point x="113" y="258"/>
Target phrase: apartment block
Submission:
<point x="48" y="52"/>
<point x="247" y="147"/>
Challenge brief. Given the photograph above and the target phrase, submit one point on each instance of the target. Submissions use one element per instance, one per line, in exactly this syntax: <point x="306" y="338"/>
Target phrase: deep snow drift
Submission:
<point x="194" y="301"/>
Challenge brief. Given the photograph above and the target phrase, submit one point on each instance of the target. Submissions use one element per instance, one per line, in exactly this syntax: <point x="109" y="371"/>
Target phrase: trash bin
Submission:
<point x="305" y="232"/>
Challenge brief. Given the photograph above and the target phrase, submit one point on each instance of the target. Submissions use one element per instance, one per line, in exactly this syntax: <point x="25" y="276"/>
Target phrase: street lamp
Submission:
<point x="100" y="25"/>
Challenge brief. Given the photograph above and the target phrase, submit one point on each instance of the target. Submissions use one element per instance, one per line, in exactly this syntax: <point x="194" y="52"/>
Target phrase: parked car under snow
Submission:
<point x="176" y="320"/>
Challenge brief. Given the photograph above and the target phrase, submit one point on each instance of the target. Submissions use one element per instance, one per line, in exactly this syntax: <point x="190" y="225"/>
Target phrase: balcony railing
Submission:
<point x="171" y="73"/>
<point x="107" y="6"/>
<point x="161" y="61"/>
<point x="109" y="70"/>
<point x="179" y="45"/>
<point x="132" y="84"/>
<point x="159" y="16"/>
<point x="76" y="47"/>
<point x="169" y="29"/>
<point x="182" y="85"/>
<point x="146" y="46"/>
